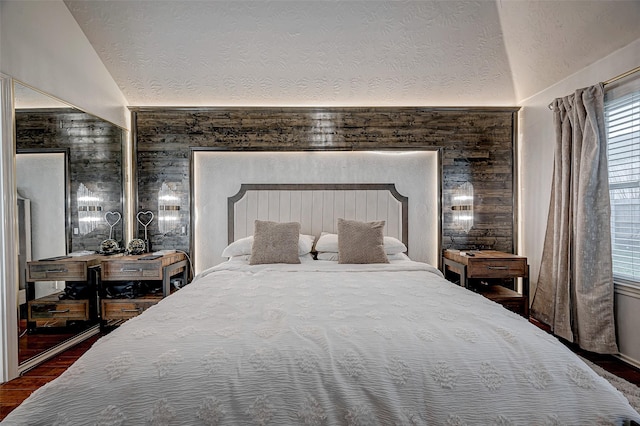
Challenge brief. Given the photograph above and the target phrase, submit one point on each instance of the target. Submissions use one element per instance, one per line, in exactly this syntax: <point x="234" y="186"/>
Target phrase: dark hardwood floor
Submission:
<point x="14" y="392"/>
<point x="32" y="345"/>
<point x="612" y="365"/>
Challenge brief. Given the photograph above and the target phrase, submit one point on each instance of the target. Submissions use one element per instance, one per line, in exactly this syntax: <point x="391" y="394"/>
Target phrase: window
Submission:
<point x="622" y="118"/>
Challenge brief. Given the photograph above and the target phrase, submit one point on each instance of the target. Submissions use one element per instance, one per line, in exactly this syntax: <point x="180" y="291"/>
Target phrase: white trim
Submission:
<point x="627" y="290"/>
<point x="8" y="237"/>
<point x="628" y="360"/>
<point x="127" y="163"/>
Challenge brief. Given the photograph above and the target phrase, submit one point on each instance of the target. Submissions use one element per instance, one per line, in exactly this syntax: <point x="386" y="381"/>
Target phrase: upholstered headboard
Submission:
<point x="317" y="207"/>
<point x="218" y="175"/>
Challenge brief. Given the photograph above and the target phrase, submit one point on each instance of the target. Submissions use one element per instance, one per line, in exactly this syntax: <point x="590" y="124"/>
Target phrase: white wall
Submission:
<point x="42" y="46"/>
<point x="47" y="192"/>
<point x="536" y="141"/>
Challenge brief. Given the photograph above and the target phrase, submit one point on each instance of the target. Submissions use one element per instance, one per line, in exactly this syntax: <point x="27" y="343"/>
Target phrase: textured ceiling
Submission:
<point x="349" y="53"/>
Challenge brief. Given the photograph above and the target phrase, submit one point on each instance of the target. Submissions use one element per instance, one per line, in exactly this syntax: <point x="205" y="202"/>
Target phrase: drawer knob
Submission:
<point x="132" y="310"/>
<point x="500" y="268"/>
<point x="53" y="311"/>
<point x="131" y="270"/>
<point x="60" y="270"/>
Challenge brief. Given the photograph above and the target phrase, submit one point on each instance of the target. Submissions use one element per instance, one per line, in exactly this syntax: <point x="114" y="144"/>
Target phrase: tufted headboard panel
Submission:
<point x="317" y="207"/>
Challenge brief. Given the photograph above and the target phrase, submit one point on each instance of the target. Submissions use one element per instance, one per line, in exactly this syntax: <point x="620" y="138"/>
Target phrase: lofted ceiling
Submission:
<point x="349" y="53"/>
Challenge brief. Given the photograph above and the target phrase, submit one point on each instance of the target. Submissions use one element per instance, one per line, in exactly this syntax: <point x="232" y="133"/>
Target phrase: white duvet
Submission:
<point x="321" y="343"/>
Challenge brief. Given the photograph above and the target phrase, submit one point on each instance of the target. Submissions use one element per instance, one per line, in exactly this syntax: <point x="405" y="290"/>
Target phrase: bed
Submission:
<point x="313" y="342"/>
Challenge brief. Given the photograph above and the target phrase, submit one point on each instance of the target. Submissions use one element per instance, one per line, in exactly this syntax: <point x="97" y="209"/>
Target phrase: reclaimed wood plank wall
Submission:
<point x="95" y="159"/>
<point x="478" y="146"/>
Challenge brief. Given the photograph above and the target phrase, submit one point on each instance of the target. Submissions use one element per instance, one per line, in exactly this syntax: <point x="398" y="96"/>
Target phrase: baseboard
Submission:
<point x="627" y="359"/>
<point x="540" y="324"/>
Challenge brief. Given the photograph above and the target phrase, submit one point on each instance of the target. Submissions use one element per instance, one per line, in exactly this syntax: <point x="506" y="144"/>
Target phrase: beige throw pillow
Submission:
<point x="361" y="242"/>
<point x="275" y="242"/>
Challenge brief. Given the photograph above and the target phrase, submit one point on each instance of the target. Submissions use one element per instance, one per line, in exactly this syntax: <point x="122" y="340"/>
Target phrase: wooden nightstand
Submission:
<point x="135" y="268"/>
<point x="481" y="270"/>
<point x="53" y="308"/>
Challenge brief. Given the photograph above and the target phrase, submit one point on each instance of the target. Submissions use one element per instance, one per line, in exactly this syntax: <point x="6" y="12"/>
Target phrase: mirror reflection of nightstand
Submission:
<point x="62" y="308"/>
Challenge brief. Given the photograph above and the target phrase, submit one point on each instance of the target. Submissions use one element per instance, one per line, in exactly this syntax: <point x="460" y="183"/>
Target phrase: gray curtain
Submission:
<point x="574" y="295"/>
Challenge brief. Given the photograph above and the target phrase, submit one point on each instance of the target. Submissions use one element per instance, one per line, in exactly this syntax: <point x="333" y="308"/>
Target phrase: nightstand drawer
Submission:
<point x="496" y="268"/>
<point x="131" y="270"/>
<point x="52" y="307"/>
<point x="119" y="309"/>
<point x="57" y="271"/>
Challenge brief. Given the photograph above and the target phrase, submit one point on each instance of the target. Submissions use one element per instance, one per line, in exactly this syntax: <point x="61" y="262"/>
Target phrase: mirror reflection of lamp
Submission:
<point x="89" y="210"/>
<point x="462" y="206"/>
<point x="168" y="209"/>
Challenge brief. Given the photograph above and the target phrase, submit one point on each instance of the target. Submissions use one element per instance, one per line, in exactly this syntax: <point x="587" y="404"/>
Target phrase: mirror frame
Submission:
<point x="9" y="308"/>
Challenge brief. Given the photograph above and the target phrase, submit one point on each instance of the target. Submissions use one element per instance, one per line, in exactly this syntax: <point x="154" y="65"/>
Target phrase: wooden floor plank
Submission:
<point x="26" y="382"/>
<point x="14" y="396"/>
<point x="5" y="409"/>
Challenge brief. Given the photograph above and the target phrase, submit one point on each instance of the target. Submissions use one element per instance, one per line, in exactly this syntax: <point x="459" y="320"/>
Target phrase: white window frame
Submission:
<point x="622" y="122"/>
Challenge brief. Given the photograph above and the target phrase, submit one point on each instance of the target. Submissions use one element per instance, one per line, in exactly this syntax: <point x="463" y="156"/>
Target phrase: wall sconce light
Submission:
<point x="168" y="209"/>
<point x="89" y="210"/>
<point x="462" y="206"/>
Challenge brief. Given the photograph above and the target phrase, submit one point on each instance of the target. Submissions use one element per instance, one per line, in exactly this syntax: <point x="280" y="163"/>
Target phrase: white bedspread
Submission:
<point x="321" y="343"/>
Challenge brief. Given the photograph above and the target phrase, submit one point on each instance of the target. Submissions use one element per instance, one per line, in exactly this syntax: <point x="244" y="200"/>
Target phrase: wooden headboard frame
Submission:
<point x="395" y="213"/>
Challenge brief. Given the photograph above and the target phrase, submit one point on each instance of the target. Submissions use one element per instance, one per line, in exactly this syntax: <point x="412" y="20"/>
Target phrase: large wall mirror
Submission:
<point x="69" y="175"/>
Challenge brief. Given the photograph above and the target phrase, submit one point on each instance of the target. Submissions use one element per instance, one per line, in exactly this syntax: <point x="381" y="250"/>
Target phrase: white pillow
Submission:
<point x="329" y="255"/>
<point x="398" y="256"/>
<point x="329" y="243"/>
<point x="305" y="244"/>
<point x="243" y="246"/>
<point x="393" y="246"/>
<point x="245" y="258"/>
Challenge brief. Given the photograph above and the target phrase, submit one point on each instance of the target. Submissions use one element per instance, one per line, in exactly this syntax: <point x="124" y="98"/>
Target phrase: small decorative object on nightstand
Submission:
<point x="144" y="219"/>
<point x="486" y="271"/>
